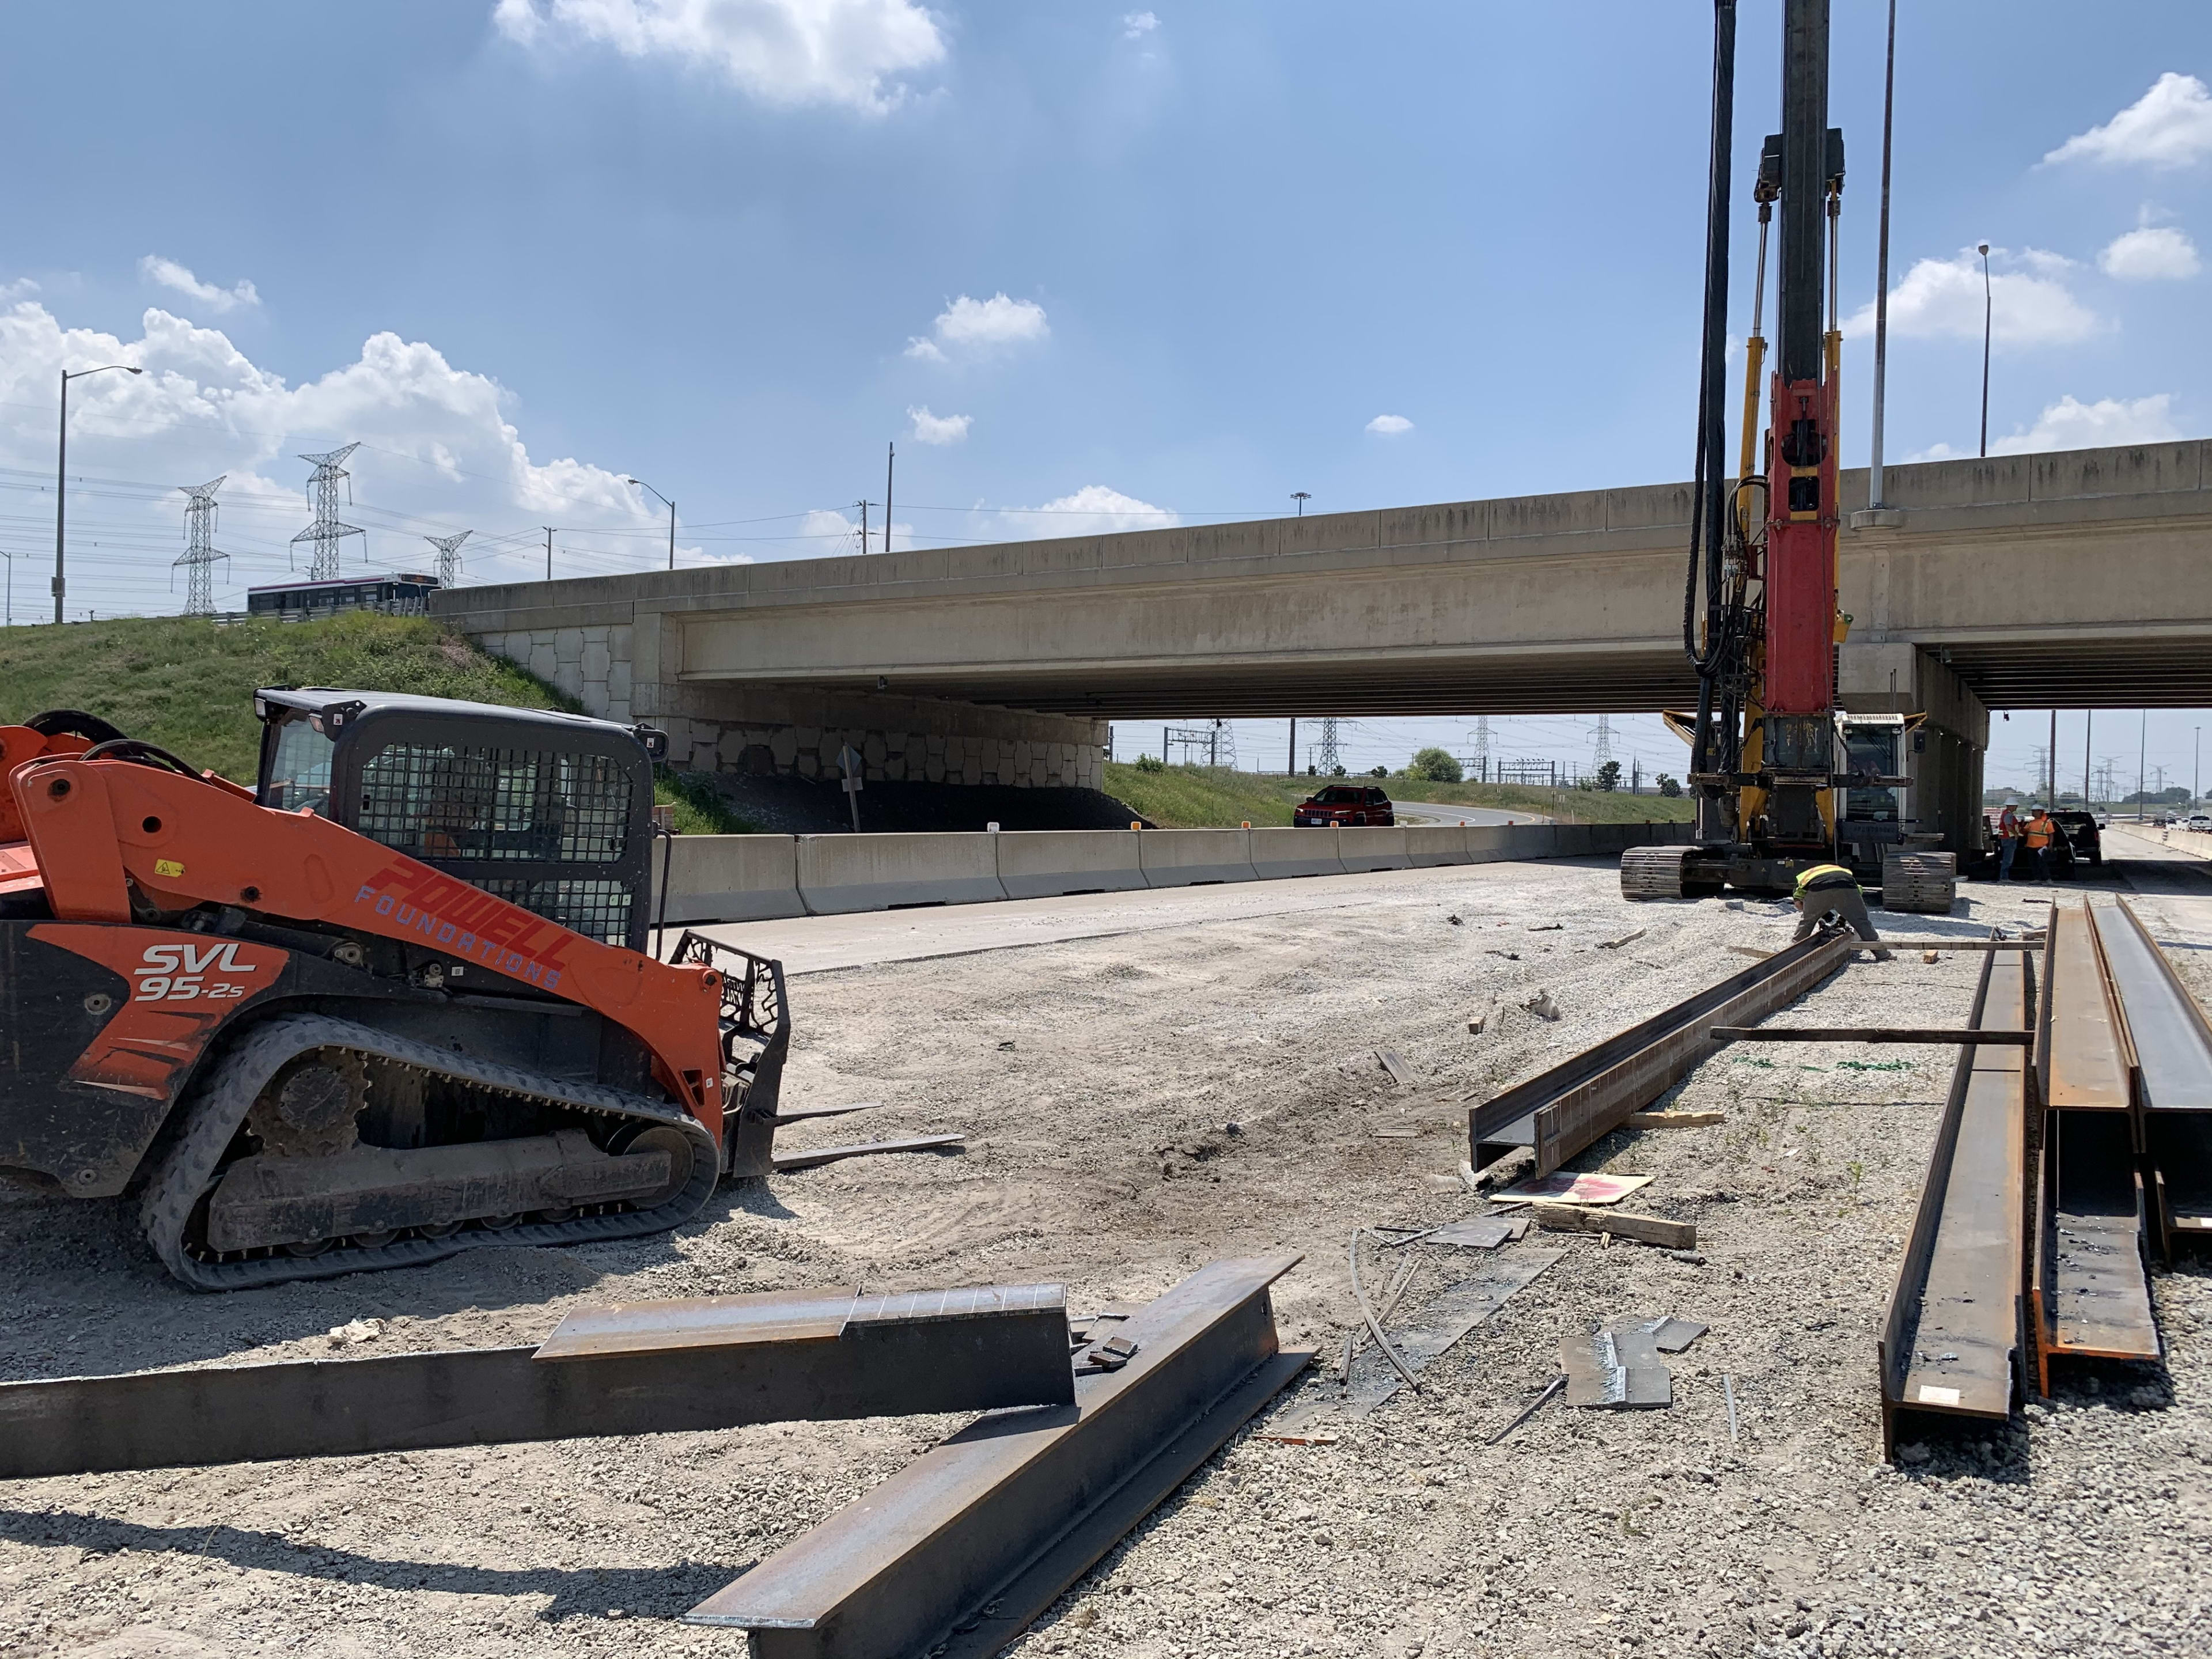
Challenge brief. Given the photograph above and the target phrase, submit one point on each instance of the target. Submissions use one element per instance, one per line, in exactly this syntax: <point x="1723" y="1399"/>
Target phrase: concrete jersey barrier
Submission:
<point x="1371" y="847"/>
<point x="1428" y="845"/>
<point x="1193" y="857"/>
<point x="841" y="874"/>
<point x="727" y="878"/>
<point x="1279" y="853"/>
<point x="1048" y="863"/>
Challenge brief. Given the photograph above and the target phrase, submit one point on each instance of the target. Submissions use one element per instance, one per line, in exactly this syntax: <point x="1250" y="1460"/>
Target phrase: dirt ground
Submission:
<point x="1149" y="1082"/>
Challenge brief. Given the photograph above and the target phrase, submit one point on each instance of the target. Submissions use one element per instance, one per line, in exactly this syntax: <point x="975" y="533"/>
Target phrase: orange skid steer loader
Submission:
<point x="392" y="1002"/>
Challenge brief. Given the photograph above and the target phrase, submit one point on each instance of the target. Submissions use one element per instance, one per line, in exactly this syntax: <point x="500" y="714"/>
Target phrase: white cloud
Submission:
<point x="441" y="452"/>
<point x="977" y="326"/>
<point x="1136" y="25"/>
<point x="1390" y="425"/>
<point x="1944" y="297"/>
<point x="2169" y="126"/>
<point x="849" y="52"/>
<point x="2071" y="424"/>
<point x="2152" y="253"/>
<point x="1093" y="510"/>
<point x="171" y="275"/>
<point x="930" y="429"/>
<point x="22" y="288"/>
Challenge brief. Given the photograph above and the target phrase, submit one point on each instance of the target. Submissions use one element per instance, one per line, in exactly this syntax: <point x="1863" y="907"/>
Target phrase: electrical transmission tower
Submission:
<point x="1604" y="740"/>
<point x="1224" y="748"/>
<point x="449" y="555"/>
<point x="327" y="533"/>
<point x="1477" y="762"/>
<point x="199" y="555"/>
<point x="1325" y="761"/>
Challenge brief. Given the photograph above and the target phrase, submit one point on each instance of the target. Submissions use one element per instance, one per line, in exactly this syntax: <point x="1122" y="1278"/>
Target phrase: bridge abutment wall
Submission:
<point x="721" y="727"/>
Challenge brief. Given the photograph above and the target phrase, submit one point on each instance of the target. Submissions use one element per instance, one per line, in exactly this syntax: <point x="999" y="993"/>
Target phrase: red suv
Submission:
<point x="1345" y="803"/>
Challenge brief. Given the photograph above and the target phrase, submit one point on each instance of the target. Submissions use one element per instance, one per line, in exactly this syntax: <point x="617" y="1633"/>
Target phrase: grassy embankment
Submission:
<point x="188" y="685"/>
<point x="1198" y="797"/>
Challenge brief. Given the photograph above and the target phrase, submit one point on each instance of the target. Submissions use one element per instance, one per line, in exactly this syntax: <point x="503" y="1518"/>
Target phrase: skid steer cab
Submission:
<point x="392" y="1002"/>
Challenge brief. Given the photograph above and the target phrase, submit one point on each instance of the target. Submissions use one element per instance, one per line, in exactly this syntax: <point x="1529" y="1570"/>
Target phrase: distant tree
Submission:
<point x="1434" y="766"/>
<point x="1336" y="771"/>
<point x="1669" y="786"/>
<point x="1609" y="775"/>
<point x="1380" y="772"/>
<point x="1151" y="764"/>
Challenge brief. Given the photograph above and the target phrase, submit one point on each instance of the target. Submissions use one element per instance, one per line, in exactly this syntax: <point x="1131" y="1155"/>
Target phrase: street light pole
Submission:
<point x="2142" y="772"/>
<point x="641" y="485"/>
<point x="1302" y="496"/>
<point x="1881" y="275"/>
<point x="61" y="477"/>
<point x="1989" y="313"/>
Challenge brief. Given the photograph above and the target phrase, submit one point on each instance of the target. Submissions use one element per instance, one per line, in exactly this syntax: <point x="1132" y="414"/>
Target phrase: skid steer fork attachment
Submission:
<point x="755" y="1023"/>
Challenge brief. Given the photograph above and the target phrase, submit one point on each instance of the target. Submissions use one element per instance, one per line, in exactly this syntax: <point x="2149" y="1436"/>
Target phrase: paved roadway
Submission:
<point x="1425" y="812"/>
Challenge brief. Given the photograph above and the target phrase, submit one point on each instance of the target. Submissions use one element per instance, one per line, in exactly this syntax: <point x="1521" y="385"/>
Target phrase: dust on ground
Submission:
<point x="1137" y="1103"/>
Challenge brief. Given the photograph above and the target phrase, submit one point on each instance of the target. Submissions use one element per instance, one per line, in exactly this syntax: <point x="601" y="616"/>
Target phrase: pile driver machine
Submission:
<point x="1780" y="775"/>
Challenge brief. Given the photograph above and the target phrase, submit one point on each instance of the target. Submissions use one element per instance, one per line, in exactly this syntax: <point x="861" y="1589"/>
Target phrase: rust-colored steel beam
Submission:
<point x="1955" y="1329"/>
<point x="1561" y="1111"/>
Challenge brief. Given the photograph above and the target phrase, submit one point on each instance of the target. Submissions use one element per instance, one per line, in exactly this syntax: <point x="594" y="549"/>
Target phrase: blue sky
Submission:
<point x="1088" y="265"/>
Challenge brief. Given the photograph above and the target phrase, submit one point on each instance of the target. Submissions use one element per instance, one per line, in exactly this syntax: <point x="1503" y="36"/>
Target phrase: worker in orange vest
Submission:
<point x="2008" y="842"/>
<point x="2036" y="836"/>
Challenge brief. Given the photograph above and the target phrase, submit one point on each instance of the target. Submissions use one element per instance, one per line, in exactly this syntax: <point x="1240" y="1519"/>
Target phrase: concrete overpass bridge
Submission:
<point x="2080" y="579"/>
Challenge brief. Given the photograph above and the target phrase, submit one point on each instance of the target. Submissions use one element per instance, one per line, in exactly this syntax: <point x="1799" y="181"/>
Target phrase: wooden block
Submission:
<point x="1675" y="1120"/>
<point x="1644" y="1229"/>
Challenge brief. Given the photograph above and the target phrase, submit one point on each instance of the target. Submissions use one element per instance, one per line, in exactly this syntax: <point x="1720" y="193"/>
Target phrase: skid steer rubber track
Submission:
<point x="1659" y="872"/>
<point x="219" y="1102"/>
<point x="1919" y="883"/>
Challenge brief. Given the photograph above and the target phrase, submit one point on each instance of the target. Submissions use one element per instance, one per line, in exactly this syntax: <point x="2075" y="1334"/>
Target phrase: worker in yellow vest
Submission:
<point x="1826" y="890"/>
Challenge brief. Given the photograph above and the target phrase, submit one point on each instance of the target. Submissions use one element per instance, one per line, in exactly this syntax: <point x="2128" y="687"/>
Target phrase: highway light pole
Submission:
<point x="1881" y="275"/>
<point x="61" y="475"/>
<point x="641" y="485"/>
<point x="1989" y="313"/>
<point x="2142" y="772"/>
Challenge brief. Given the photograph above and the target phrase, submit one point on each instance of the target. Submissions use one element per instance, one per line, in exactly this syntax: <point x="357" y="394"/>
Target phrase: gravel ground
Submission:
<point x="1139" y="1102"/>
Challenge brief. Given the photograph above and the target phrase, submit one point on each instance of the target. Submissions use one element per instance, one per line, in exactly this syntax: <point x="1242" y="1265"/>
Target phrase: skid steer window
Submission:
<point x="523" y="805"/>
<point x="299" y="770"/>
